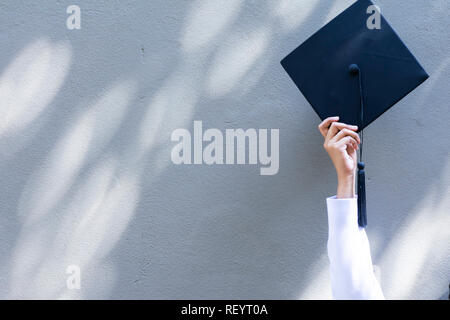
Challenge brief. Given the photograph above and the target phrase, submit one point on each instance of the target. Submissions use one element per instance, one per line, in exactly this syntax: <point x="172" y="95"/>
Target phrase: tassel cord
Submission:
<point x="362" y="214"/>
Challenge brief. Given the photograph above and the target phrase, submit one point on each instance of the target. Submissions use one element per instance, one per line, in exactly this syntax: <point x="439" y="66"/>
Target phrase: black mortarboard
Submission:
<point x="352" y="70"/>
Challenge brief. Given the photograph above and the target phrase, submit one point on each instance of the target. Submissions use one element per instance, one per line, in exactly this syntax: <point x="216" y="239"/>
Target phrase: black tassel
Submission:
<point x="362" y="214"/>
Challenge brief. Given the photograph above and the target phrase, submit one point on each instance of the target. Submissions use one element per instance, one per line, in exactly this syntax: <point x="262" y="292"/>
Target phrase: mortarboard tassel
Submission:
<point x="362" y="213"/>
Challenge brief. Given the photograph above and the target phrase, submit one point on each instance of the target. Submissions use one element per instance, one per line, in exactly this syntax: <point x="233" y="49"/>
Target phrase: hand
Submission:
<point x="341" y="143"/>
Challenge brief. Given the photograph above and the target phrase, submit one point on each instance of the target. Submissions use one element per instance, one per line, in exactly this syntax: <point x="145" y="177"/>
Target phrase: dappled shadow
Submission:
<point x="87" y="177"/>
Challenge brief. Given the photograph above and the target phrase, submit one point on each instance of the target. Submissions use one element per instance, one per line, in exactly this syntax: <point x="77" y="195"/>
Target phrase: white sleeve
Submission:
<point x="351" y="269"/>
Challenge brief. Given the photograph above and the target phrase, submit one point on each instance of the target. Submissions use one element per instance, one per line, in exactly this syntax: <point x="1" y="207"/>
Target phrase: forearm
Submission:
<point x="346" y="187"/>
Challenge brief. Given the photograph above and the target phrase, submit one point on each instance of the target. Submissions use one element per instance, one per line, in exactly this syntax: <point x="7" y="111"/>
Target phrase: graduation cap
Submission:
<point x="351" y="70"/>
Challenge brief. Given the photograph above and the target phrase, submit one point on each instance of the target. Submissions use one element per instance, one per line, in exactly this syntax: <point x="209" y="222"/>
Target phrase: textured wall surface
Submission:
<point x="86" y="176"/>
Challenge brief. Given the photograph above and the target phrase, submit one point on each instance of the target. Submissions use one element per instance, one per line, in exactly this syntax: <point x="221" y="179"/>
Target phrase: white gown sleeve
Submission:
<point x="351" y="268"/>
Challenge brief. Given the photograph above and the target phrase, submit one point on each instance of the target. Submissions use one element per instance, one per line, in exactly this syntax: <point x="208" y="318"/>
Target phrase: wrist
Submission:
<point x="346" y="187"/>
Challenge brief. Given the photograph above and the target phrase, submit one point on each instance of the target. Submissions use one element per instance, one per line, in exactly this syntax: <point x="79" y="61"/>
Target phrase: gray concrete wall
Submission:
<point x="87" y="180"/>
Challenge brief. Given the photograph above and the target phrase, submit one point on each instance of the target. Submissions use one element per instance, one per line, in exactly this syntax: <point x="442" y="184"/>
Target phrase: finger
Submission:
<point x="354" y="145"/>
<point x="337" y="127"/>
<point x="346" y="132"/>
<point x="325" y="125"/>
<point x="348" y="141"/>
